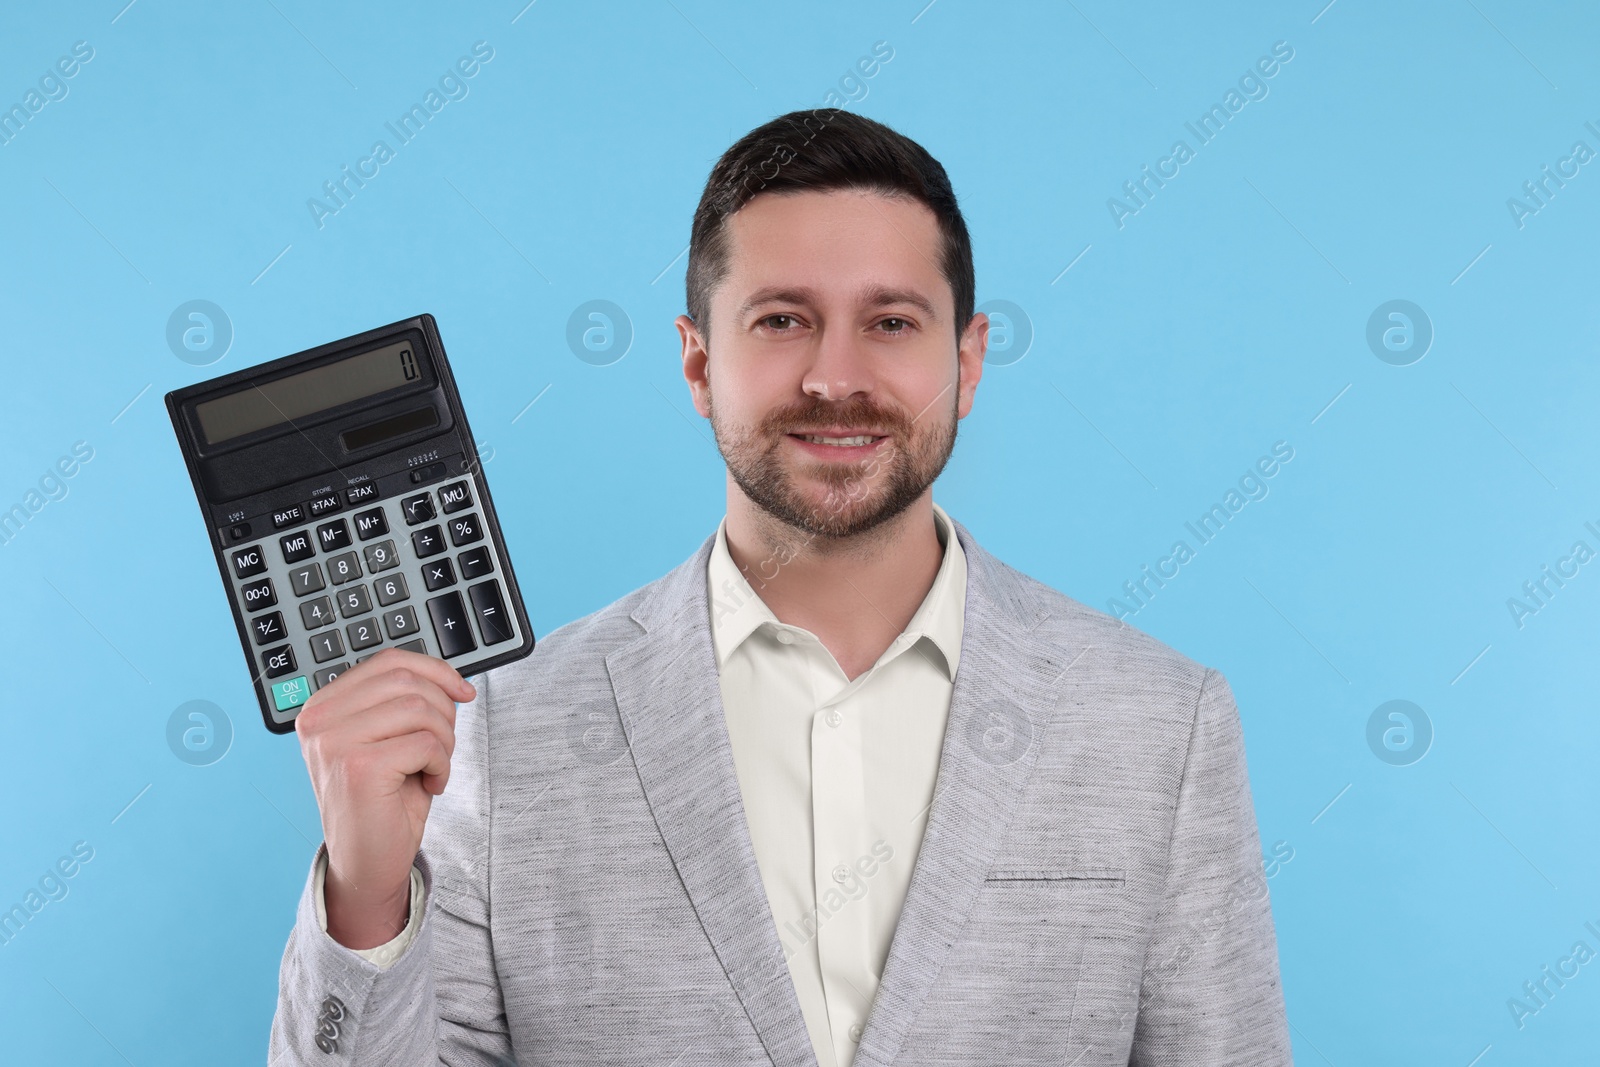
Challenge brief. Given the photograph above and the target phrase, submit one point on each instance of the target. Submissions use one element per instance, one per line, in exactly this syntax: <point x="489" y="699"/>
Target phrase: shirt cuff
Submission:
<point x="385" y="954"/>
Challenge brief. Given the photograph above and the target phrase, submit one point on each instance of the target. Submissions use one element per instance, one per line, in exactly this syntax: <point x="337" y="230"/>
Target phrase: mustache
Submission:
<point x="860" y="412"/>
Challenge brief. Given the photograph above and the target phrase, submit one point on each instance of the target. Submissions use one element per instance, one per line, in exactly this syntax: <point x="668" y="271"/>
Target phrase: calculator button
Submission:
<point x="328" y="674"/>
<point x="370" y="524"/>
<point x="288" y="516"/>
<point x="476" y="564"/>
<point x="318" y="612"/>
<point x="291" y="693"/>
<point x="419" y="646"/>
<point x="451" y="625"/>
<point x="391" y="590"/>
<point x="258" y="595"/>
<point x="465" y="530"/>
<point x="382" y="556"/>
<point x="417" y="508"/>
<point x="326" y="646"/>
<point x="364" y="634"/>
<point x="239" y="531"/>
<point x="278" y="661"/>
<point x="401" y="622"/>
<point x="455" y="497"/>
<point x="332" y="535"/>
<point x="297" y="546"/>
<point x="342" y="568"/>
<point x="248" y="562"/>
<point x="354" y="601"/>
<point x="491" y="611"/>
<point x="307" y="579"/>
<point x="268" y="627"/>
<point x="360" y="494"/>
<point x="438" y="575"/>
<point x="325" y="505"/>
<point x="428" y="541"/>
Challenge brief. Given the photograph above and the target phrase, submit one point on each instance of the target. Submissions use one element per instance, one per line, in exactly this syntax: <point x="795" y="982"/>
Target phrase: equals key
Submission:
<point x="491" y="609"/>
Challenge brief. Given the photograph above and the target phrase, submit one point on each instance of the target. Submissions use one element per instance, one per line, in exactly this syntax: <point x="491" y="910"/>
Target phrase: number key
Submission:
<point x="258" y="595"/>
<point x="364" y="634"/>
<point x="391" y="590"/>
<point x="382" y="556"/>
<point x="318" y="612"/>
<point x="326" y="646"/>
<point x="401" y="623"/>
<point x="307" y="579"/>
<point x="344" y="567"/>
<point x="354" y="601"/>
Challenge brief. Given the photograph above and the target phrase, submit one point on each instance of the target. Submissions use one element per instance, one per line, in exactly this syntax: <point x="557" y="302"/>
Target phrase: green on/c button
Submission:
<point x="291" y="693"/>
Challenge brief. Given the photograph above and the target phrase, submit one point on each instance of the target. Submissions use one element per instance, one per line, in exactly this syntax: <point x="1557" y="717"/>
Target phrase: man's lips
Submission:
<point x="843" y="444"/>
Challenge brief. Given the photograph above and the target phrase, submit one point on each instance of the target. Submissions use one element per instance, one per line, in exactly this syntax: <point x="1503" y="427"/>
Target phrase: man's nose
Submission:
<point x="839" y="367"/>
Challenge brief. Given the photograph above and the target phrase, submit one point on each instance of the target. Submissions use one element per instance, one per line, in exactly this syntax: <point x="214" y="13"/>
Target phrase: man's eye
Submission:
<point x="902" y="327"/>
<point x="771" y="318"/>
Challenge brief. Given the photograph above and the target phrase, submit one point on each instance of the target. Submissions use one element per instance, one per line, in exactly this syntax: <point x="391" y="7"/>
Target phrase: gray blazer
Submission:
<point x="1089" y="889"/>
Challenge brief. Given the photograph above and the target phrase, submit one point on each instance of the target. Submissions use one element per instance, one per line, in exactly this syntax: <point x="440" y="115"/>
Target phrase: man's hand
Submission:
<point x="377" y="742"/>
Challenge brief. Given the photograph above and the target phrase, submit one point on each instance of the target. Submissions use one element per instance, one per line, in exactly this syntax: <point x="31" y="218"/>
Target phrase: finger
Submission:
<point x="403" y="717"/>
<point x="441" y="673"/>
<point x="417" y="753"/>
<point x="358" y="698"/>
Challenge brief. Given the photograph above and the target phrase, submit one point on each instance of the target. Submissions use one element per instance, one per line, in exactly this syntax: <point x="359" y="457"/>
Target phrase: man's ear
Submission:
<point x="696" y="364"/>
<point x="969" y="358"/>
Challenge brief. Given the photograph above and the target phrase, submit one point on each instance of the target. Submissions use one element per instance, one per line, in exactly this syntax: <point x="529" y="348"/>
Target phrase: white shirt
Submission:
<point x="836" y="778"/>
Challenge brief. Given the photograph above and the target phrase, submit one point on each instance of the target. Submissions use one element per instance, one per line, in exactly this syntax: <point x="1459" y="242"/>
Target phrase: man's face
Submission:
<point x="833" y="379"/>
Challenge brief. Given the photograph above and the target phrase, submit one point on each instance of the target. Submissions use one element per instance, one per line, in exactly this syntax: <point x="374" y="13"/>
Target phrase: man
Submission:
<point x="842" y="788"/>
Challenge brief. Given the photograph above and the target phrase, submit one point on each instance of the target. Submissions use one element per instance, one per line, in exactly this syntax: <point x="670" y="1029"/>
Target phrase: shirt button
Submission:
<point x="834" y="718"/>
<point x="785" y="637"/>
<point x="841" y="873"/>
<point x="855" y="1031"/>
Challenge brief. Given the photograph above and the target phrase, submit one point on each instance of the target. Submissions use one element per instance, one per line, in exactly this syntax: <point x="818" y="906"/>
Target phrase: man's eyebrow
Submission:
<point x="871" y="295"/>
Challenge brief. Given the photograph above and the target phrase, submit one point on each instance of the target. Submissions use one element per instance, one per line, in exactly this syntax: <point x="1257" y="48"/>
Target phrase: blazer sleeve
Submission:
<point x="1211" y="993"/>
<point x="439" y="1001"/>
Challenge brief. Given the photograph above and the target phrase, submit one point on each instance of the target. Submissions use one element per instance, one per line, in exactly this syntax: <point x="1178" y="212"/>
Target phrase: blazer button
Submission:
<point x="855" y="1031"/>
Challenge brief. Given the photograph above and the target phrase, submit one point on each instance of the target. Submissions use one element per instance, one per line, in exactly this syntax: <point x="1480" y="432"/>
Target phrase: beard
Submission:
<point x="843" y="500"/>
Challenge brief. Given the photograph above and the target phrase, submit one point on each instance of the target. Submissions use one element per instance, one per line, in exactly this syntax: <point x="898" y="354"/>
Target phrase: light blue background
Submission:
<point x="1228" y="314"/>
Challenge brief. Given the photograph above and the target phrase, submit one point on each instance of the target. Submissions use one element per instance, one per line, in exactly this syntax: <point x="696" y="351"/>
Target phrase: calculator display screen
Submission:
<point x="283" y="400"/>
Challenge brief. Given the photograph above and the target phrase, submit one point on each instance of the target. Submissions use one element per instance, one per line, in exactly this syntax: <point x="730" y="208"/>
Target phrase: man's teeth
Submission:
<point x="864" y="439"/>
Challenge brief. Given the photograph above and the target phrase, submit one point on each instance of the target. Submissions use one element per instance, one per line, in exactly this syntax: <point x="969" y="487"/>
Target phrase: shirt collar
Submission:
<point x="737" y="610"/>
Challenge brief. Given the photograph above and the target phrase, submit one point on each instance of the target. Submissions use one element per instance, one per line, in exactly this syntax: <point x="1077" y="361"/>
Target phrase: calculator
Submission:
<point x="349" y="513"/>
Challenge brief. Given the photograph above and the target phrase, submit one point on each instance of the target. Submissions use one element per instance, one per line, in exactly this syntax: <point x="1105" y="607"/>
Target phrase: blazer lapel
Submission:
<point x="1004" y="693"/>
<point x="670" y="702"/>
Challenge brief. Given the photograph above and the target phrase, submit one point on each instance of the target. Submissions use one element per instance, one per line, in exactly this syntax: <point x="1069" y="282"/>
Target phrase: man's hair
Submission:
<point x="815" y="151"/>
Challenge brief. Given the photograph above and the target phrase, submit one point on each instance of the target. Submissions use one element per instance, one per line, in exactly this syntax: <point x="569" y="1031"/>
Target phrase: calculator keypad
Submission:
<point x="414" y="571"/>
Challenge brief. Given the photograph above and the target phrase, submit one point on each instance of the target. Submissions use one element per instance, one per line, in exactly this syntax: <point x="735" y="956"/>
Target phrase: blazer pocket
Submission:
<point x="1104" y="877"/>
